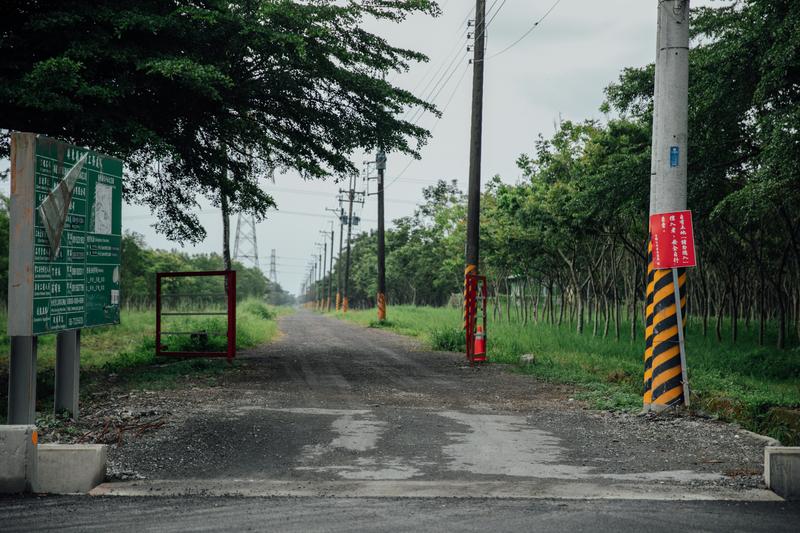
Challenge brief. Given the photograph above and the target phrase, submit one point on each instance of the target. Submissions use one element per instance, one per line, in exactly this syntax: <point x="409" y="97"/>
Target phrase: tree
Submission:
<point x="201" y="98"/>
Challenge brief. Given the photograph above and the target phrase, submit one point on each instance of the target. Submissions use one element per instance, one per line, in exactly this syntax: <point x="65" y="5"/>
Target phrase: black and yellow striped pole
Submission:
<point x="665" y="382"/>
<point x="648" y="329"/>
<point x="665" y="368"/>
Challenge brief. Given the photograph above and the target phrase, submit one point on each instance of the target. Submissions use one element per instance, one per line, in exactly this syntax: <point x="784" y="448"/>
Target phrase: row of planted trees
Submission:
<point x="140" y="264"/>
<point x="567" y="242"/>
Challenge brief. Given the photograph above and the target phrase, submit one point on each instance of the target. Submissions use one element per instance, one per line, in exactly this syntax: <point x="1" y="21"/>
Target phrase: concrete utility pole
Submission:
<point x="325" y="298"/>
<point x="353" y="196"/>
<point x="330" y="274"/>
<point x="320" y="274"/>
<point x="339" y="213"/>
<point x="380" y="164"/>
<point x="664" y="383"/>
<point x="474" y="192"/>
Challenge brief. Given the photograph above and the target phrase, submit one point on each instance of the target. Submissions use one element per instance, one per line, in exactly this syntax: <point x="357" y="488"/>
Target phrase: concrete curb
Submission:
<point x="782" y="471"/>
<point x="18" y="458"/>
<point x="71" y="468"/>
<point x="516" y="489"/>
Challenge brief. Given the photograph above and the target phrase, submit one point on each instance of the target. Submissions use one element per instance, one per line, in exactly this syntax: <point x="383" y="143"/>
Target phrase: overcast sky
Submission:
<point x="559" y="70"/>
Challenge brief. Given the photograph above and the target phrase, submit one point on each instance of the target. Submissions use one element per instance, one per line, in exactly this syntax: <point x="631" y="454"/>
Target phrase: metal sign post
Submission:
<point x="65" y="240"/>
<point x="681" y="344"/>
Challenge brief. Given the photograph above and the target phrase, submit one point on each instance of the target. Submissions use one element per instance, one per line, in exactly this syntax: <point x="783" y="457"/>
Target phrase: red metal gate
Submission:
<point x="475" y="325"/>
<point x="228" y="293"/>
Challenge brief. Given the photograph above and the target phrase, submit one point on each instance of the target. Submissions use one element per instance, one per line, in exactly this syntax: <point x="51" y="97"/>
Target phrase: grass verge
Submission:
<point x="757" y="387"/>
<point x="125" y="354"/>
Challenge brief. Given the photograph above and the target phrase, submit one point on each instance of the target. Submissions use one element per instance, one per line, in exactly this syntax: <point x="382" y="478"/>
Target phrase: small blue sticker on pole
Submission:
<point x="674" y="156"/>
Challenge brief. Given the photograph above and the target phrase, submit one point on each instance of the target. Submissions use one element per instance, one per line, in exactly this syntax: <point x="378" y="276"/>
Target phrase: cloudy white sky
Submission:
<point x="559" y="70"/>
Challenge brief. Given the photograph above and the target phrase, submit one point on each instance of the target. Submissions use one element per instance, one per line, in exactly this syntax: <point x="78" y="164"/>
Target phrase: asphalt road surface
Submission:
<point x="335" y="427"/>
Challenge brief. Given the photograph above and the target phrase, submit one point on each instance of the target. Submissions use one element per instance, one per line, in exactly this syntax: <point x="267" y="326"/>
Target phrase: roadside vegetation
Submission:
<point x="744" y="383"/>
<point x="125" y="354"/>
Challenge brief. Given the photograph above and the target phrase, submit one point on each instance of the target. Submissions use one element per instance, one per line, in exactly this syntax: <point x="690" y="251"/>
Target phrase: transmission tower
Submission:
<point x="245" y="247"/>
<point x="273" y="268"/>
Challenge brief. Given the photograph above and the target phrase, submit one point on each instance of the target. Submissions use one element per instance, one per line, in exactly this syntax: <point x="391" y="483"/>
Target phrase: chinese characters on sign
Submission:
<point x="672" y="235"/>
<point x="66" y="205"/>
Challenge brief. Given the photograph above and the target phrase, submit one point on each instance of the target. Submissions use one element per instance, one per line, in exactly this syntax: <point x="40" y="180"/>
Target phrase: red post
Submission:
<point x="474" y="284"/>
<point x="231" y="314"/>
<point x="229" y="276"/>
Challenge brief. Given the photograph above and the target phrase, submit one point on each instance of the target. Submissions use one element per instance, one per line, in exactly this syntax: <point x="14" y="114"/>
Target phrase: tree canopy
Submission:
<point x="201" y="98"/>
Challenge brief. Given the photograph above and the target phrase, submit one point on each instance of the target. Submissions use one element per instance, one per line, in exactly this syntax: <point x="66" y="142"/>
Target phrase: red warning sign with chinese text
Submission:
<point x="672" y="235"/>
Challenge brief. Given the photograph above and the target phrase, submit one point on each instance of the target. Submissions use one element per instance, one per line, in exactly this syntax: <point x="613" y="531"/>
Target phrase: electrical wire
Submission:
<point x="270" y="214"/>
<point x="433" y="129"/>
<point x="450" y="70"/>
<point x="535" y="25"/>
<point x="419" y="115"/>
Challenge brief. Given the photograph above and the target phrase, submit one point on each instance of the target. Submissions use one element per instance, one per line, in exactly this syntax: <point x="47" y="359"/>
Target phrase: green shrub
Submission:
<point x="448" y="339"/>
<point x="257" y="308"/>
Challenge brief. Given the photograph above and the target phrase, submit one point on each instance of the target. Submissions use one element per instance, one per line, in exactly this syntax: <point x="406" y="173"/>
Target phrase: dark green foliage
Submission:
<point x="423" y="262"/>
<point x="140" y="264"/>
<point x="202" y="98"/>
<point x="259" y="309"/>
<point x="448" y="339"/>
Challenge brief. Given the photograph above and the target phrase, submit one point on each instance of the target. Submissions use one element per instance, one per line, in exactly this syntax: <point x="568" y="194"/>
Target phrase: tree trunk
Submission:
<point x="734" y="314"/>
<point x="781" y="319"/>
<point x="579" y="310"/>
<point x="508" y="302"/>
<point x="616" y="311"/>
<point x="797" y="315"/>
<point x="226" y="232"/>
<point x="720" y="308"/>
<point x="762" y="314"/>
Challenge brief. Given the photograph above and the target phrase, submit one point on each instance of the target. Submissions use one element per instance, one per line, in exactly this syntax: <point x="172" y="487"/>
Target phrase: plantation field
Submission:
<point x="128" y="350"/>
<point x="758" y="387"/>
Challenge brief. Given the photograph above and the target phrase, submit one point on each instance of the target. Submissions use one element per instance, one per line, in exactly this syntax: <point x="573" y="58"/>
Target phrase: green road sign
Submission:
<point x="66" y="221"/>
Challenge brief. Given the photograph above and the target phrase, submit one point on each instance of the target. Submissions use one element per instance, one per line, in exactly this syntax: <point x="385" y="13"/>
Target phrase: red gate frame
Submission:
<point x="474" y="283"/>
<point x="230" y="282"/>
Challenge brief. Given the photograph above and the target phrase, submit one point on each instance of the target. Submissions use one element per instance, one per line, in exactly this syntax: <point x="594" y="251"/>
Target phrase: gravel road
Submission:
<point x="337" y="427"/>
<point x="334" y="401"/>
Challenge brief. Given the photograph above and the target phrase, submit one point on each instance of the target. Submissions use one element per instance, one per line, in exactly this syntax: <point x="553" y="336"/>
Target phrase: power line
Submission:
<point x="535" y="25"/>
<point x="444" y="61"/>
<point x="324" y="194"/>
<point x="455" y="89"/>
<point x="451" y="69"/>
<point x="270" y="214"/>
<point x="436" y="124"/>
